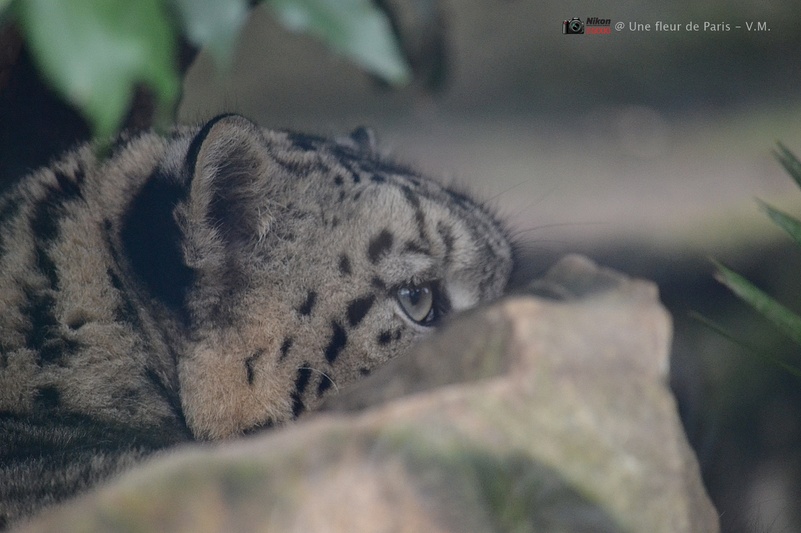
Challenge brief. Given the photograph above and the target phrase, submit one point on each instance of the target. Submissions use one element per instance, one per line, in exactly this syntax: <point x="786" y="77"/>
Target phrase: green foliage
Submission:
<point x="355" y="28"/>
<point x="214" y="24"/>
<point x="783" y="220"/>
<point x="789" y="162"/>
<point x="95" y="52"/>
<point x="770" y="358"/>
<point x="788" y="322"/>
<point x="785" y="320"/>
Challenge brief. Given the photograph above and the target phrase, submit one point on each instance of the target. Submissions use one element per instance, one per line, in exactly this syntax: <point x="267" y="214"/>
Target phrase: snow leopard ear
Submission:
<point x="228" y="164"/>
<point x="364" y="138"/>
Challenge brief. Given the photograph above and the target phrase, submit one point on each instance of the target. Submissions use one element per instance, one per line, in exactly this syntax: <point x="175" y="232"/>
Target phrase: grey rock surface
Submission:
<point x="539" y="413"/>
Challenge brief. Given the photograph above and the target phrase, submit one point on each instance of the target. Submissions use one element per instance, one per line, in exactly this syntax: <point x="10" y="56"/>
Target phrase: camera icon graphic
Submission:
<point x="573" y="26"/>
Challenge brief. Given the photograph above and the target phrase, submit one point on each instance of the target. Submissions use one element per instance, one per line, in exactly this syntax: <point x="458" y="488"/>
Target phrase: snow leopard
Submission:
<point x="210" y="282"/>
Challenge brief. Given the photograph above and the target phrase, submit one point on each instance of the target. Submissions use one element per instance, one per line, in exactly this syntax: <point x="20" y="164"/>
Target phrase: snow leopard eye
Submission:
<point x="422" y="303"/>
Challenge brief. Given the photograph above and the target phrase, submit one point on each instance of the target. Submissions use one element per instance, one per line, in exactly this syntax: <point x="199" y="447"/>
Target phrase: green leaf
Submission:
<point x="785" y="320"/>
<point x="789" y="161"/>
<point x="789" y="224"/>
<point x="354" y="28"/>
<point x="214" y="24"/>
<point x="796" y="371"/>
<point x="95" y="52"/>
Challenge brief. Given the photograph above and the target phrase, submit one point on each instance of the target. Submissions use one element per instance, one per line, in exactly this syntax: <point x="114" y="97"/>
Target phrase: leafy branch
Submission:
<point x="785" y="320"/>
<point x="95" y="53"/>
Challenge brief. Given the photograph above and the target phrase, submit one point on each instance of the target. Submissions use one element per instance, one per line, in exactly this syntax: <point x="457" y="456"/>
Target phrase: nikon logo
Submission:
<point x="595" y="21"/>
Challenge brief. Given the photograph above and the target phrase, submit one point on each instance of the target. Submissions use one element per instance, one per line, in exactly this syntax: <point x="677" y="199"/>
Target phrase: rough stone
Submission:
<point x="539" y="413"/>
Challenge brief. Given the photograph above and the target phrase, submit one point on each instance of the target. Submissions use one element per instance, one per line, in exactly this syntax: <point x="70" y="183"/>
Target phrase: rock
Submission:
<point x="534" y="414"/>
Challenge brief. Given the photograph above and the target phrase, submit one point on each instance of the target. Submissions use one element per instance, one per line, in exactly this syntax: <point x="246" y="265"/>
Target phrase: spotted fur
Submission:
<point x="208" y="284"/>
